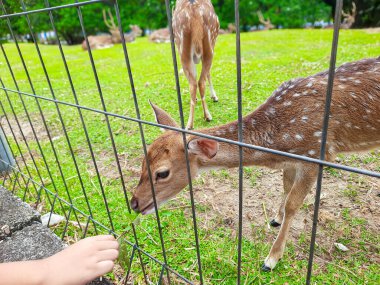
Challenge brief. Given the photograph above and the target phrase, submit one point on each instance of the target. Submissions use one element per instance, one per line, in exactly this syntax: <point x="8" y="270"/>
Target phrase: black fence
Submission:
<point x="38" y="174"/>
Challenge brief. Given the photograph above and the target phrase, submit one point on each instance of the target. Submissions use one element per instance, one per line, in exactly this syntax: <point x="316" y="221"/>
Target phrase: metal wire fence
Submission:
<point x="39" y="173"/>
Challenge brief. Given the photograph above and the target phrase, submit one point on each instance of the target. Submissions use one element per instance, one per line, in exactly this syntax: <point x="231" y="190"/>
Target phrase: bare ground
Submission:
<point x="340" y="191"/>
<point x="263" y="200"/>
<point x="23" y="128"/>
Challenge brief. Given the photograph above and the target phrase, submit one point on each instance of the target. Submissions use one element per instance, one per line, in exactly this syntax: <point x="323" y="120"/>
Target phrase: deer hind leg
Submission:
<point x="289" y="175"/>
<point x="190" y="72"/>
<point x="305" y="179"/>
<point x="212" y="91"/>
<point x="206" y="66"/>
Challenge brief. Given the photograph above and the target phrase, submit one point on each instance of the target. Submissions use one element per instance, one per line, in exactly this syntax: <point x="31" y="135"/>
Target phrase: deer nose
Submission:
<point x="134" y="204"/>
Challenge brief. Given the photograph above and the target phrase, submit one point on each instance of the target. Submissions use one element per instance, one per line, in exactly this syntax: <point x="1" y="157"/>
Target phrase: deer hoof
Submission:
<point x="274" y="224"/>
<point x="215" y="99"/>
<point x="266" y="268"/>
<point x="208" y="119"/>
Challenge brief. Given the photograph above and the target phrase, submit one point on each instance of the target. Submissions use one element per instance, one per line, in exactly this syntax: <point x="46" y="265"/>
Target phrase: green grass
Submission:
<point x="268" y="59"/>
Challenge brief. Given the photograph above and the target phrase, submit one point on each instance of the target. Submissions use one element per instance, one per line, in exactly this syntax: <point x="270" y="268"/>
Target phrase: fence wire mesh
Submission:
<point x="43" y="154"/>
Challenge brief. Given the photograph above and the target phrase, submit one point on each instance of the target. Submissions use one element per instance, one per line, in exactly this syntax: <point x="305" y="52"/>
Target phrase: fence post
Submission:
<point x="6" y="158"/>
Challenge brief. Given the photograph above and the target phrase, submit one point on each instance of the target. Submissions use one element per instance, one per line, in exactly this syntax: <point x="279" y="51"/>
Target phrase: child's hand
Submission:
<point x="82" y="262"/>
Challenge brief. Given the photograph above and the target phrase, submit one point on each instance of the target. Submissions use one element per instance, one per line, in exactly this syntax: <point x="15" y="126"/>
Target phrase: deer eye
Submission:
<point x="163" y="174"/>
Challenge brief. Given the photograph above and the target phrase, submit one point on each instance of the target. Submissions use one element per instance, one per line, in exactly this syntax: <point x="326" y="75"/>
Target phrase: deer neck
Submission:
<point x="257" y="130"/>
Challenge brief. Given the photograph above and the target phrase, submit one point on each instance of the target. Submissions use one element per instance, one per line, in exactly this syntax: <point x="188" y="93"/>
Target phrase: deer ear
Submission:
<point x="162" y="117"/>
<point x="204" y="147"/>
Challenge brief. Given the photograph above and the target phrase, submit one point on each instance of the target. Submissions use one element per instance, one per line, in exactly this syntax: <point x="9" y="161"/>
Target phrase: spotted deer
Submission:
<point x="267" y="23"/>
<point x="106" y="41"/>
<point x="195" y="28"/>
<point x="290" y="121"/>
<point x="160" y="36"/>
<point x="349" y="18"/>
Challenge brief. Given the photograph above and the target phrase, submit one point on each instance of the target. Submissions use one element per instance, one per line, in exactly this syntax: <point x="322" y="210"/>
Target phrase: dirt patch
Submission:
<point x="340" y="191"/>
<point x="262" y="200"/>
<point x="24" y="129"/>
<point x="107" y="166"/>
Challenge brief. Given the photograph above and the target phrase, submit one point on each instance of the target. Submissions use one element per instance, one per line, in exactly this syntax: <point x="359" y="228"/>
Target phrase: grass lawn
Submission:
<point x="268" y="59"/>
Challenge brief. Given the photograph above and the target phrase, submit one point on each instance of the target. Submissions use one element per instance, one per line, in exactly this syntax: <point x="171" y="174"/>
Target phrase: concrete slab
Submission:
<point x="14" y="214"/>
<point x="30" y="243"/>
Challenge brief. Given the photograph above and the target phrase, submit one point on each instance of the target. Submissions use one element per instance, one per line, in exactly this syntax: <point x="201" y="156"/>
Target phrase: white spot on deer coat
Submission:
<point x="311" y="152"/>
<point x="286" y="136"/>
<point x="299" y="137"/>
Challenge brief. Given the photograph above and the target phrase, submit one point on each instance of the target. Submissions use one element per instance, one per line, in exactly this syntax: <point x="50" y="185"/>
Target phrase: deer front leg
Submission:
<point x="289" y="175"/>
<point x="212" y="91"/>
<point x="305" y="179"/>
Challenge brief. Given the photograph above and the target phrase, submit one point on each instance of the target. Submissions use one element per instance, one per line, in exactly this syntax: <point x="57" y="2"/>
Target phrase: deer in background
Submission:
<point x="105" y="41"/>
<point x="195" y="28"/>
<point x="160" y="36"/>
<point x="349" y="18"/>
<point x="267" y="24"/>
<point x="290" y="121"/>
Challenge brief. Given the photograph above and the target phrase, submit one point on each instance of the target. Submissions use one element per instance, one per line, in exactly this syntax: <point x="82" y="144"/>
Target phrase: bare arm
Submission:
<point x="78" y="264"/>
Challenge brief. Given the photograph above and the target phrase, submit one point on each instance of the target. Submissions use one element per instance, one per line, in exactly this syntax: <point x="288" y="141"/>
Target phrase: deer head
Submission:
<point x="349" y="18"/>
<point x="112" y="27"/>
<point x="267" y="24"/>
<point x="167" y="161"/>
<point x="136" y="30"/>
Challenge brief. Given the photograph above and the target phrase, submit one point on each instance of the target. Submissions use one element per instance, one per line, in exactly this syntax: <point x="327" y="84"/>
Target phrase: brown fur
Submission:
<point x="105" y="41"/>
<point x="160" y="36"/>
<point x="290" y="121"/>
<point x="195" y="28"/>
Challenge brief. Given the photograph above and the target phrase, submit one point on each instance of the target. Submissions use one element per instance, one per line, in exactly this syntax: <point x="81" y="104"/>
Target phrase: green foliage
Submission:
<point x="282" y="13"/>
<point x="151" y="14"/>
<point x="367" y="11"/>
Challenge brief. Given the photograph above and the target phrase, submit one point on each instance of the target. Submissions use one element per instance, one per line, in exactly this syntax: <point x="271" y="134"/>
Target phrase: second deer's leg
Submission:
<point x="305" y="179"/>
<point x="289" y="175"/>
<point x="190" y="72"/>
<point x="212" y="91"/>
<point x="206" y="65"/>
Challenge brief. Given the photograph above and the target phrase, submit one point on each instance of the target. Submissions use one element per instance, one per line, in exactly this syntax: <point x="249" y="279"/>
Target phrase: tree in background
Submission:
<point x="282" y="13"/>
<point x="367" y="12"/>
<point x="151" y="14"/>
